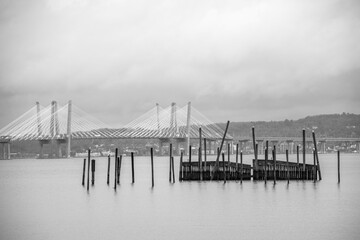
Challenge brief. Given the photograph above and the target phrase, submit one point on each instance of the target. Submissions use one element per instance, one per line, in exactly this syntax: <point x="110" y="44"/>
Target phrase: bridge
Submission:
<point x="64" y="124"/>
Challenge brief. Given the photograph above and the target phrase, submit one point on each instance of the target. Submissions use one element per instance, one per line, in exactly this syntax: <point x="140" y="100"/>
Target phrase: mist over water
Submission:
<point x="44" y="199"/>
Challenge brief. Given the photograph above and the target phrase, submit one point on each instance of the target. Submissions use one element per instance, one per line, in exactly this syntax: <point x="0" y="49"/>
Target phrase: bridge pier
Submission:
<point x="5" y="150"/>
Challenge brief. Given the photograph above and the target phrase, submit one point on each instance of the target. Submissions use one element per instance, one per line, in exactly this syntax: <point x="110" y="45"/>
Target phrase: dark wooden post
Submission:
<point x="266" y="160"/>
<point x="255" y="154"/>
<point x="181" y="167"/>
<point x="200" y="153"/>
<point x="241" y="166"/>
<point x="205" y="154"/>
<point x="190" y="169"/>
<point x="316" y="154"/>
<point x="287" y="166"/>
<point x="314" y="168"/>
<point x="88" y="173"/>
<point x="237" y="161"/>
<point x="256" y="162"/>
<point x="116" y="167"/>
<point x="83" y="176"/>
<point x="118" y="170"/>
<point x="132" y="167"/>
<point x="92" y="172"/>
<point x="108" y="171"/>
<point x="338" y="165"/>
<point x="274" y="158"/>
<point x="152" y="167"/>
<point x="297" y="163"/>
<point x="304" y="150"/>
<point x="170" y="156"/>
<point x="224" y="170"/>
<point x="221" y="146"/>
<point x="172" y="169"/>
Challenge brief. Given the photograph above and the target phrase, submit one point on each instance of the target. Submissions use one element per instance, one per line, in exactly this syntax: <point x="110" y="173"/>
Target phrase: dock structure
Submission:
<point x="190" y="171"/>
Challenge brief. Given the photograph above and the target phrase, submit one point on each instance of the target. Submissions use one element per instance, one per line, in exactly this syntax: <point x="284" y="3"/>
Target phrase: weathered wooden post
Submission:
<point x="314" y="167"/>
<point x="132" y="168"/>
<point x="221" y="146"/>
<point x="316" y="154"/>
<point x="92" y="171"/>
<point x="170" y="156"/>
<point x="255" y="169"/>
<point x="256" y="162"/>
<point x="274" y="158"/>
<point x="172" y="169"/>
<point x="287" y="166"/>
<point x="190" y="169"/>
<point x="181" y="167"/>
<point x="237" y="161"/>
<point x="297" y="163"/>
<point x="116" y="167"/>
<point x="118" y="170"/>
<point x="266" y="160"/>
<point x="241" y="166"/>
<point x="88" y="173"/>
<point x="83" y="176"/>
<point x="205" y="154"/>
<point x="200" y="157"/>
<point x="108" y="171"/>
<point x="152" y="166"/>
<point x="338" y="165"/>
<point x="224" y="170"/>
<point x="304" y="151"/>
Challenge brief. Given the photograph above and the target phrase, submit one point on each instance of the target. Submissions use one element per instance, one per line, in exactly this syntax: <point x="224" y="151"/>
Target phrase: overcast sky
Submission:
<point x="238" y="60"/>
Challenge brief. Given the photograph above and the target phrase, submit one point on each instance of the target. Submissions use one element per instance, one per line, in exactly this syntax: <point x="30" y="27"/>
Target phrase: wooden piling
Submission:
<point x="170" y="156"/>
<point x="205" y="153"/>
<point x="338" y="165"/>
<point x="237" y="160"/>
<point x="83" y="176"/>
<point x="108" y="171"/>
<point x="297" y="163"/>
<point x="224" y="170"/>
<point x="132" y="168"/>
<point x="287" y="166"/>
<point x="172" y="169"/>
<point x="256" y="175"/>
<point x="200" y="155"/>
<point x="241" y="166"/>
<point x="118" y="170"/>
<point x="255" y="169"/>
<point x="190" y="169"/>
<point x="92" y="171"/>
<point x="116" y="167"/>
<point x="316" y="154"/>
<point x="274" y="159"/>
<point x="266" y="160"/>
<point x="88" y="173"/>
<point x="221" y="146"/>
<point x="314" y="167"/>
<point x="304" y="149"/>
<point x="181" y="167"/>
<point x="152" y="166"/>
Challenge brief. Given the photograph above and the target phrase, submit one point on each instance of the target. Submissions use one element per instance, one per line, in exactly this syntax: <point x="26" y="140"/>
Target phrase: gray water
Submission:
<point x="44" y="199"/>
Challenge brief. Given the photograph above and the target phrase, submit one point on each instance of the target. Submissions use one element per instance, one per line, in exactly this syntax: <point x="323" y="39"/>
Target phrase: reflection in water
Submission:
<point x="44" y="199"/>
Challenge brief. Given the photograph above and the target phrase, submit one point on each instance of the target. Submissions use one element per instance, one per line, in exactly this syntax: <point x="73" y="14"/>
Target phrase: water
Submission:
<point x="44" y="199"/>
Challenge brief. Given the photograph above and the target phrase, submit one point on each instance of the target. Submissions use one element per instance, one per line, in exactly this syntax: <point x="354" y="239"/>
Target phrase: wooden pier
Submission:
<point x="190" y="171"/>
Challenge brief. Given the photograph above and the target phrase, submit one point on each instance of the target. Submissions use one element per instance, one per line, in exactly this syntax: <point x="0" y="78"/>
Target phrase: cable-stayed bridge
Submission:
<point x="63" y="124"/>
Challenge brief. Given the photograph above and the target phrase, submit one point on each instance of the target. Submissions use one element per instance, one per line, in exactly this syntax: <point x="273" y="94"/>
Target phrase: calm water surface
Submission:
<point x="44" y="199"/>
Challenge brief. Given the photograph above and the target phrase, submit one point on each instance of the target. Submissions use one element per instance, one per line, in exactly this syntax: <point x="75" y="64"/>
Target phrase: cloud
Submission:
<point x="232" y="59"/>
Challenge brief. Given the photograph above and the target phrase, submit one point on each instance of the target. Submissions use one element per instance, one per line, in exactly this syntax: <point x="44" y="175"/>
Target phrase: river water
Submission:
<point x="44" y="199"/>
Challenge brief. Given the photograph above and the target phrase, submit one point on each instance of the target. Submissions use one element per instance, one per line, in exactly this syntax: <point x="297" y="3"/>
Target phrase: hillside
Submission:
<point x="329" y="125"/>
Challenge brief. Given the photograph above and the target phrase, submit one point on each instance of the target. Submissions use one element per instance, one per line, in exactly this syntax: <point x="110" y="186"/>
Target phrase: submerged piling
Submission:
<point x="88" y="173"/>
<point x="241" y="166"/>
<point x="274" y="159"/>
<point x="172" y="169"/>
<point x="224" y="170"/>
<point x="316" y="154"/>
<point x="181" y="167"/>
<point x="119" y="168"/>
<point x="170" y="156"/>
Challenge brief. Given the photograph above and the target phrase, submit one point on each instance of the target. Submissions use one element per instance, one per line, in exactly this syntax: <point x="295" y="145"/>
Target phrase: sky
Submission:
<point x="248" y="60"/>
